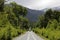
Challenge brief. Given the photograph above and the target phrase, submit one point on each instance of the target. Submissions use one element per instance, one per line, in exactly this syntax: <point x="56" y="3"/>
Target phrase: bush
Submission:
<point x="8" y="33"/>
<point x="48" y="33"/>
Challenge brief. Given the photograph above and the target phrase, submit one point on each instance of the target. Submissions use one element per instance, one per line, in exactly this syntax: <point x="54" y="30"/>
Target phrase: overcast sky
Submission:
<point x="39" y="4"/>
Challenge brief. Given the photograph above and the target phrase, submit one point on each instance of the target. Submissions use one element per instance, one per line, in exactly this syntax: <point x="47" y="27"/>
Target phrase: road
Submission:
<point x="30" y="35"/>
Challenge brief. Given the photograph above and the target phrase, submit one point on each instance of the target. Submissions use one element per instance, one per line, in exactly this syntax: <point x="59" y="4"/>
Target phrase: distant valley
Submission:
<point x="33" y="15"/>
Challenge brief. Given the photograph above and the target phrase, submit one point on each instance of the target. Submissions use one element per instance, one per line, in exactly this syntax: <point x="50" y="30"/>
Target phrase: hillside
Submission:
<point x="33" y="15"/>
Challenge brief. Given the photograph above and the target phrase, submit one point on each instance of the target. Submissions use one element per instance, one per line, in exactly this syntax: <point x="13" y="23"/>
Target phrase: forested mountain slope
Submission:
<point x="33" y="15"/>
<point x="12" y="20"/>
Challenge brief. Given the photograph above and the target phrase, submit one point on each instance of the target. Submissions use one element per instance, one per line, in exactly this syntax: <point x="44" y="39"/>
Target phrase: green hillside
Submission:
<point x="48" y="25"/>
<point x="12" y="20"/>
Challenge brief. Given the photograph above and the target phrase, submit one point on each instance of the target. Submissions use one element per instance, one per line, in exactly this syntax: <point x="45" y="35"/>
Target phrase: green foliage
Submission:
<point x="3" y="19"/>
<point x="49" y="15"/>
<point x="16" y="13"/>
<point x="52" y="24"/>
<point x="48" y="33"/>
<point x="12" y="20"/>
<point x="48" y="25"/>
<point x="8" y="33"/>
<point x="18" y="10"/>
<point x="24" y="23"/>
<point x="1" y="5"/>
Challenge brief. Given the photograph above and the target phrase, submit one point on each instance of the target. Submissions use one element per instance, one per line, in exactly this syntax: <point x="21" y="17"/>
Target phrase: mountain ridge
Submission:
<point x="33" y="15"/>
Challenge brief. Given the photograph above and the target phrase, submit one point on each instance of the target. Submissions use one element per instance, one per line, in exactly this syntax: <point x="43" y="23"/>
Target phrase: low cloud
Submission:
<point x="39" y="4"/>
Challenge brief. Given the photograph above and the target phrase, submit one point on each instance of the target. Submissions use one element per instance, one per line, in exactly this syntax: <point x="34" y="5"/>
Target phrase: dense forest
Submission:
<point x="12" y="20"/>
<point x="48" y="25"/>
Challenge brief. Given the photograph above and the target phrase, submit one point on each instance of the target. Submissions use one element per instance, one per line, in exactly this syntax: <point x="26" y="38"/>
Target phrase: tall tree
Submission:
<point x="2" y="5"/>
<point x="19" y="10"/>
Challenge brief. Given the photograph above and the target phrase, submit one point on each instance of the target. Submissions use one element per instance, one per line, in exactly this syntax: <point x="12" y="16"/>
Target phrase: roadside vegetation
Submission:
<point x="12" y="20"/>
<point x="14" y="23"/>
<point x="48" y="25"/>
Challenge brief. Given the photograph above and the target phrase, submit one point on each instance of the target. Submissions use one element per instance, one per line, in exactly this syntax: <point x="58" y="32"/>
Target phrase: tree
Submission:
<point x="49" y="14"/>
<point x="2" y="5"/>
<point x="42" y="22"/>
<point x="15" y="12"/>
<point x="57" y="15"/>
<point x="53" y="24"/>
<point x="12" y="18"/>
<point x="19" y="10"/>
<point x="24" y="24"/>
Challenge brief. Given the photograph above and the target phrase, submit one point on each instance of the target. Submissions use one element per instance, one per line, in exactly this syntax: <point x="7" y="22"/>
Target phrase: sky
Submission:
<point x="38" y="4"/>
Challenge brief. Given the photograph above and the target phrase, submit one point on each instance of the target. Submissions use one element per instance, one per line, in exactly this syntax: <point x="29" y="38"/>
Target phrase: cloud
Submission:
<point x="38" y="4"/>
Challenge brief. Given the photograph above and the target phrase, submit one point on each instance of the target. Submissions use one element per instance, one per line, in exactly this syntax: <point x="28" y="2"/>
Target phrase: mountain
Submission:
<point x="33" y="15"/>
<point x="53" y="8"/>
<point x="56" y="8"/>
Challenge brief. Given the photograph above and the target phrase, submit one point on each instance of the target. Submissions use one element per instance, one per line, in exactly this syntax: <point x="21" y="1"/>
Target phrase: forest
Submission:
<point x="13" y="22"/>
<point x="48" y="25"/>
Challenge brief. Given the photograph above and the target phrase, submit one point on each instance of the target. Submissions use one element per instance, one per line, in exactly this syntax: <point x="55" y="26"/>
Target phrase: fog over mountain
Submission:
<point x="33" y="15"/>
<point x="37" y="7"/>
<point x="38" y="4"/>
